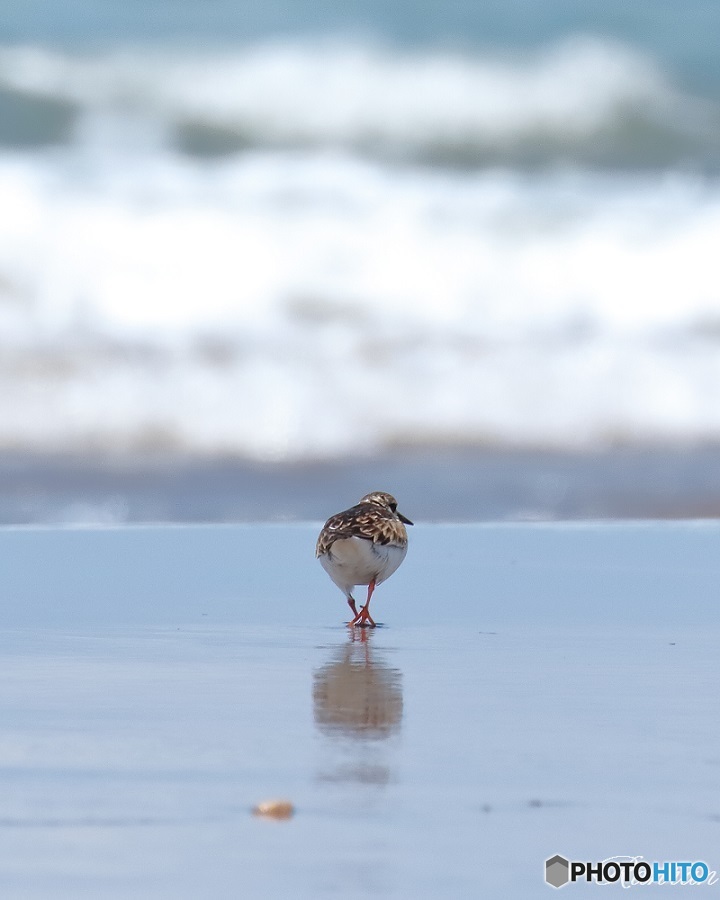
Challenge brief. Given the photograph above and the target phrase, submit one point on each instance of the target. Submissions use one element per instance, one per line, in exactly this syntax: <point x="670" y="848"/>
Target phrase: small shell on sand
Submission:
<point x="274" y="809"/>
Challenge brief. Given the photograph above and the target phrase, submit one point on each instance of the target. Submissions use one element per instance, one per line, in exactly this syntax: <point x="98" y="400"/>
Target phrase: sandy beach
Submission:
<point x="534" y="689"/>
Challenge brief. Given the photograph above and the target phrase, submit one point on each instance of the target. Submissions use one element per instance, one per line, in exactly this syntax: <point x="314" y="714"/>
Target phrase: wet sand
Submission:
<point x="534" y="689"/>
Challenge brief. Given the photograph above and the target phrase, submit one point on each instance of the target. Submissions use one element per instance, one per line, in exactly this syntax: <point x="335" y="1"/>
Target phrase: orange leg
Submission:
<point x="351" y="604"/>
<point x="364" y="617"/>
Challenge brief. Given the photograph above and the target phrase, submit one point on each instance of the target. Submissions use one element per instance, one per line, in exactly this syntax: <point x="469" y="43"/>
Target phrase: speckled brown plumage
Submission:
<point x="374" y="518"/>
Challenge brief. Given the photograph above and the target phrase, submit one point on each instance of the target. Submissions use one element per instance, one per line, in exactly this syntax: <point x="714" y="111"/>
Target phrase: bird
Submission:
<point x="364" y="544"/>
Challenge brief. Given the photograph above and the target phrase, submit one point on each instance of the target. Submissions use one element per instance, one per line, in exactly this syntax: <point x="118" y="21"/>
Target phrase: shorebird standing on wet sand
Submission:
<point x="363" y="545"/>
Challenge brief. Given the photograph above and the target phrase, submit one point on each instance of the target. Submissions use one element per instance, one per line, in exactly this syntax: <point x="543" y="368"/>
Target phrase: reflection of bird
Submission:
<point x="356" y="696"/>
<point x="358" y="706"/>
<point x="363" y="545"/>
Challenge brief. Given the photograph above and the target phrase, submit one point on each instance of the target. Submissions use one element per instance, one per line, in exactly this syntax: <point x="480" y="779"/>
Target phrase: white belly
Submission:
<point x="352" y="561"/>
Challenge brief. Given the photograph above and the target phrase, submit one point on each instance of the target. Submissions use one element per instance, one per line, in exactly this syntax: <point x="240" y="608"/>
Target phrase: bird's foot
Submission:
<point x="363" y="619"/>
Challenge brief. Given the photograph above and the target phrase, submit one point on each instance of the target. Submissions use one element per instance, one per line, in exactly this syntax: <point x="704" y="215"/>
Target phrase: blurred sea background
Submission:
<point x="259" y="258"/>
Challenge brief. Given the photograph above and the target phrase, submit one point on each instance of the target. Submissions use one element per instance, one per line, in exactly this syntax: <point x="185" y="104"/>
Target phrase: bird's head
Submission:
<point x="386" y="501"/>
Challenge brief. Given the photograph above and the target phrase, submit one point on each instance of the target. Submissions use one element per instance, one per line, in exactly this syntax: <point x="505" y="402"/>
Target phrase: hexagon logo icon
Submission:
<point x="557" y="870"/>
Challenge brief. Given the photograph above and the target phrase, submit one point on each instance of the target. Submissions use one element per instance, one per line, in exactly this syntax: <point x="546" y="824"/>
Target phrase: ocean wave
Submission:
<point x="296" y="306"/>
<point x="585" y="100"/>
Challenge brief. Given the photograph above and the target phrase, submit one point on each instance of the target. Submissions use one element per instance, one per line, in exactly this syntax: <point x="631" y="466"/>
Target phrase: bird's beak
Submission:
<point x="403" y="519"/>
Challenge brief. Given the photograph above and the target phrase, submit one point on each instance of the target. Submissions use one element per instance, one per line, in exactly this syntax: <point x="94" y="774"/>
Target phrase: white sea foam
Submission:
<point x="292" y="305"/>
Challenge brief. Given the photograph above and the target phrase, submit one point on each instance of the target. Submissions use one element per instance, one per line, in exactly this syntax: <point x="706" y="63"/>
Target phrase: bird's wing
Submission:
<point x="372" y="524"/>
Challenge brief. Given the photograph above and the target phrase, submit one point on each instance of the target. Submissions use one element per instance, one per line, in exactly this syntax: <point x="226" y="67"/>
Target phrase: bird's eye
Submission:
<point x="393" y="507"/>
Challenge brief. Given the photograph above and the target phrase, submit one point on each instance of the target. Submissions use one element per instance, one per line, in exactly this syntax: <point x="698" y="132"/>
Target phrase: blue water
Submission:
<point x="679" y="42"/>
<point x="682" y="38"/>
